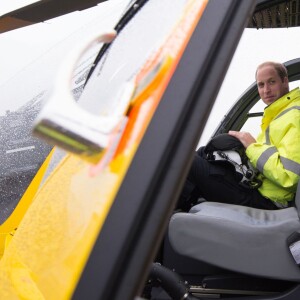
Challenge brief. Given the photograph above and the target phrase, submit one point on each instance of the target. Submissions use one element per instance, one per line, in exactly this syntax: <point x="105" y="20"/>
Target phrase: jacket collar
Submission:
<point x="278" y="105"/>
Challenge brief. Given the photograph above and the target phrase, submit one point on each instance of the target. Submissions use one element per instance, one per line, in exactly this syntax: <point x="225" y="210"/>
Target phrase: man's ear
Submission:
<point x="286" y="82"/>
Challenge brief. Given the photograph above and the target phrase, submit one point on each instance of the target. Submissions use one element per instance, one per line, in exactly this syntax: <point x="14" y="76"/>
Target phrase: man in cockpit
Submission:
<point x="275" y="153"/>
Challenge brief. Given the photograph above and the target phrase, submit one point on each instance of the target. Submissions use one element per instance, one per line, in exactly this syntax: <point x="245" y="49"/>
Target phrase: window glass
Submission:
<point x="128" y="53"/>
<point x="23" y="93"/>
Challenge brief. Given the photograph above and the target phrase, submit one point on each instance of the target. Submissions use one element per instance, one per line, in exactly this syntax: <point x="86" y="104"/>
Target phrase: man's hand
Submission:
<point x="245" y="137"/>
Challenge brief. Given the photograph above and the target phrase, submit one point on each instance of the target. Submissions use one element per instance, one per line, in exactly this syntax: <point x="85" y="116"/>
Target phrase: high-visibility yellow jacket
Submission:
<point x="276" y="154"/>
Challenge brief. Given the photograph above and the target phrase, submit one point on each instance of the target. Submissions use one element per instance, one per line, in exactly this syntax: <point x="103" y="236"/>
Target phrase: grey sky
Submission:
<point x="31" y="56"/>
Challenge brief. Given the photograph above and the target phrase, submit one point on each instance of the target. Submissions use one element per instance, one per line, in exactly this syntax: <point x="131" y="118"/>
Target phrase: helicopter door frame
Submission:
<point x="118" y="267"/>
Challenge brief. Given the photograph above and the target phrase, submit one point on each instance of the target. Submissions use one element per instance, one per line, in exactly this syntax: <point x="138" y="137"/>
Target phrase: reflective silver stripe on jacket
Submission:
<point x="287" y="110"/>
<point x="268" y="136"/>
<point x="290" y="165"/>
<point x="264" y="158"/>
<point x="287" y="163"/>
<point x="280" y="115"/>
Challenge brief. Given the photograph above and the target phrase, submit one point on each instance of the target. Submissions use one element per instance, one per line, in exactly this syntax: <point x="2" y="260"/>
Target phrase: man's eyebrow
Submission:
<point x="270" y="78"/>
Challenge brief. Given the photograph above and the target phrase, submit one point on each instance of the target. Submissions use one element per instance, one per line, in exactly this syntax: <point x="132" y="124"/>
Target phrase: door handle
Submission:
<point x="62" y="122"/>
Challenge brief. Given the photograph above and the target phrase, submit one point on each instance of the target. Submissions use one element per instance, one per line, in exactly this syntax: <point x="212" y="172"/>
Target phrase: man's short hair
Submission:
<point x="279" y="67"/>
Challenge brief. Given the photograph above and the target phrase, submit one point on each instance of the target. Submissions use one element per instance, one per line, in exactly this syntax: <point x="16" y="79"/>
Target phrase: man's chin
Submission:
<point x="269" y="101"/>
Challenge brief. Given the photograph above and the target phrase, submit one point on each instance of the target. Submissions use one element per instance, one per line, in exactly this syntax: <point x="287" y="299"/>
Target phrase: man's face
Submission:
<point x="269" y="84"/>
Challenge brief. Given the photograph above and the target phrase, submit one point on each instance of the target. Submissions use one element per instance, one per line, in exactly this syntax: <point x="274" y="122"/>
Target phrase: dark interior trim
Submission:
<point x="117" y="267"/>
<point x="42" y="11"/>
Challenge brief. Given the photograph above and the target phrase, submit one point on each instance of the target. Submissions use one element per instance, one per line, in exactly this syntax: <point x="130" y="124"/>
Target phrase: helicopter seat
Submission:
<point x="238" y="238"/>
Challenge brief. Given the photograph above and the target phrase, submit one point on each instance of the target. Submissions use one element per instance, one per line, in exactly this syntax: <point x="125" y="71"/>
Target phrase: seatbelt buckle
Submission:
<point x="294" y="245"/>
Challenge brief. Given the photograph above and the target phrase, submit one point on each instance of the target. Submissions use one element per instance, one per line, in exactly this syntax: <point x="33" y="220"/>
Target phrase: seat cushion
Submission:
<point x="238" y="238"/>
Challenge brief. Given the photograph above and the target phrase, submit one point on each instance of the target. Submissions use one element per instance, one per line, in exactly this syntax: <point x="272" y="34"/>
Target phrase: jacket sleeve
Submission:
<point x="279" y="163"/>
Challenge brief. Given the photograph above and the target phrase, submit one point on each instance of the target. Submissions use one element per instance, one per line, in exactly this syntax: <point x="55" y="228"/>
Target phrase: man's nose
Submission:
<point x="267" y="88"/>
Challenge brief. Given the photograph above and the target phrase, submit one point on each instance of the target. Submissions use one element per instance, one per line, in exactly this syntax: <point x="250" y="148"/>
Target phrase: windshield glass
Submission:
<point x="21" y="154"/>
<point x="31" y="57"/>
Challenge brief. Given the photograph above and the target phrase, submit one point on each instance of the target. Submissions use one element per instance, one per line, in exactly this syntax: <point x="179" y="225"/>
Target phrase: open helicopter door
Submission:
<point x="139" y="215"/>
<point x="27" y="161"/>
<point x="92" y="232"/>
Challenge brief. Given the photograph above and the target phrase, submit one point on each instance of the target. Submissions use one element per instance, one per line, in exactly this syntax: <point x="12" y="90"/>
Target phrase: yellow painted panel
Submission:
<point x="48" y="252"/>
<point x="8" y="228"/>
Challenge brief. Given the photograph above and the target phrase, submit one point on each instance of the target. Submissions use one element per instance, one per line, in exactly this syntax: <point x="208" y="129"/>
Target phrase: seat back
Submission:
<point x="238" y="238"/>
